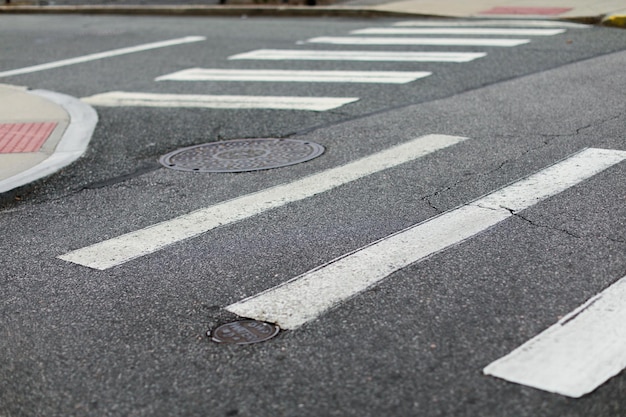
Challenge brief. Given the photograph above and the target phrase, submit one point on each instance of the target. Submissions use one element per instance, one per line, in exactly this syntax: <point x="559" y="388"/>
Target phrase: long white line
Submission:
<point x="132" y="99"/>
<point x="307" y="296"/>
<point x="121" y="249"/>
<point x="505" y="23"/>
<point x="314" y="55"/>
<point x="458" y="31"/>
<point x="357" y="40"/>
<point x="101" y="55"/>
<point x="378" y="77"/>
<point x="576" y="355"/>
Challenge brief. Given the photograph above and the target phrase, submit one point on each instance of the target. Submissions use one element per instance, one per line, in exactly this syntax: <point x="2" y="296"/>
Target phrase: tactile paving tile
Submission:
<point x="24" y="137"/>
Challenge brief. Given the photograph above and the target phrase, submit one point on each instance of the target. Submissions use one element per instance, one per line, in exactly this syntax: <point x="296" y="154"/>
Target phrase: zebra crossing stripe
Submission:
<point x="378" y="77"/>
<point x="304" y="298"/>
<point x="358" y="40"/>
<point x="492" y="23"/>
<point x="578" y="353"/>
<point x="132" y="99"/>
<point x="132" y="245"/>
<point x="458" y="31"/>
<point x="102" y="55"/>
<point x="316" y="55"/>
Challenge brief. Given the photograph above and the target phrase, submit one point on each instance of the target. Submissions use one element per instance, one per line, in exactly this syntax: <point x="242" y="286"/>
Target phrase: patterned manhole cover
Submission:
<point x="244" y="332"/>
<point x="242" y="155"/>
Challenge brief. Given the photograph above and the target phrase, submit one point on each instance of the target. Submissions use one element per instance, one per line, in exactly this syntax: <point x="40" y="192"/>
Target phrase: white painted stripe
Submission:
<point x="505" y="23"/>
<point x="116" y="251"/>
<point x="307" y="296"/>
<point x="312" y="55"/>
<point x="576" y="355"/>
<point x="380" y="77"/>
<point x="125" y="99"/>
<point x="102" y="55"/>
<point x="458" y="31"/>
<point x="354" y="40"/>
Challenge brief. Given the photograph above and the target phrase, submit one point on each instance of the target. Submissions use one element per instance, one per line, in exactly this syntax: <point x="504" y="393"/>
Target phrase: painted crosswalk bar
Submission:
<point x="366" y="40"/>
<point x="133" y="245"/>
<point x="316" y="55"/>
<point x="376" y="77"/>
<point x="102" y="55"/>
<point x="576" y="355"/>
<point x="133" y="99"/>
<point x="458" y="31"/>
<point x="304" y="298"/>
<point x="492" y="23"/>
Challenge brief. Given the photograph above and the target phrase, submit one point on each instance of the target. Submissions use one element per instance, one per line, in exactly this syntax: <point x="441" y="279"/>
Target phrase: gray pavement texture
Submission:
<point x="132" y="340"/>
<point x="610" y="12"/>
<point x="160" y="364"/>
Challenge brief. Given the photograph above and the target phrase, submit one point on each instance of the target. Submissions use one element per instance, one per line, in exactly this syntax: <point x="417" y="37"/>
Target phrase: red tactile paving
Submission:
<point x="24" y="137"/>
<point x="527" y="10"/>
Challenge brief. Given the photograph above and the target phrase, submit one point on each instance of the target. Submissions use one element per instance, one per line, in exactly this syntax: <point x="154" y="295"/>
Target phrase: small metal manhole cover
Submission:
<point x="244" y="332"/>
<point x="242" y="155"/>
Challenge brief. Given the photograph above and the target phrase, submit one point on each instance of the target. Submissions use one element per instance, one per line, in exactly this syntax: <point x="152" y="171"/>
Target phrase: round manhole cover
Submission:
<point x="244" y="332"/>
<point x="242" y="155"/>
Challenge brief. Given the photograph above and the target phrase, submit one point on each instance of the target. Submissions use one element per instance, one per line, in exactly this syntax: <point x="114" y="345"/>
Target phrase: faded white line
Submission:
<point x="505" y="23"/>
<point x="315" y="55"/>
<point x="102" y="55"/>
<point x="134" y="99"/>
<point x="458" y="31"/>
<point x="375" y="77"/>
<point x="307" y="296"/>
<point x="118" y="250"/>
<point x="577" y="354"/>
<point x="357" y="40"/>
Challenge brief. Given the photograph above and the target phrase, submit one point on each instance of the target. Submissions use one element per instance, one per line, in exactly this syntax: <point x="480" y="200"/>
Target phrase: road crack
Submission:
<point x="539" y="225"/>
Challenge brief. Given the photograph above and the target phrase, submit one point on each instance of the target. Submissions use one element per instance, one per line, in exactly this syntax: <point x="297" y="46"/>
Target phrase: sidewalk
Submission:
<point x="609" y="12"/>
<point x="43" y="131"/>
<point x="40" y="133"/>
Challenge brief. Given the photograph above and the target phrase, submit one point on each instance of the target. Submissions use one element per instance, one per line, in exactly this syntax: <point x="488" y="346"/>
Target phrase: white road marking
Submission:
<point x="505" y="23"/>
<point x="458" y="31"/>
<point x="307" y="296"/>
<point x="357" y="40"/>
<point x="578" y="353"/>
<point x="126" y="99"/>
<point x="122" y="249"/>
<point x="380" y="77"/>
<point x="313" y="55"/>
<point x="102" y="55"/>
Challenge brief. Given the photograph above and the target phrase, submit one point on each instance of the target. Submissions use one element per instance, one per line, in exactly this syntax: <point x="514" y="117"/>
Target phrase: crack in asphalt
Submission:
<point x="543" y="226"/>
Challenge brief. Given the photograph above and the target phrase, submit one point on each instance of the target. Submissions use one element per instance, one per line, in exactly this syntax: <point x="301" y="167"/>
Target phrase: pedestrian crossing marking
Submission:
<point x="458" y="31"/>
<point x="306" y="297"/>
<point x="119" y="250"/>
<point x="377" y="77"/>
<point x="492" y="23"/>
<point x="578" y="353"/>
<point x="135" y="99"/>
<point x="317" y="55"/>
<point x="102" y="55"/>
<point x="358" y="40"/>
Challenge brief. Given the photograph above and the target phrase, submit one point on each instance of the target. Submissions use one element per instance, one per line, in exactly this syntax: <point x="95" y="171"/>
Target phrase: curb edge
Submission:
<point x="73" y="143"/>
<point x="615" y="20"/>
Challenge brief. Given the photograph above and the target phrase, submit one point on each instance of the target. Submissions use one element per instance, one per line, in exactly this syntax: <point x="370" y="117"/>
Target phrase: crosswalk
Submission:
<point x="356" y="46"/>
<point x="376" y="77"/>
<point x="366" y="56"/>
<point x="304" y="298"/>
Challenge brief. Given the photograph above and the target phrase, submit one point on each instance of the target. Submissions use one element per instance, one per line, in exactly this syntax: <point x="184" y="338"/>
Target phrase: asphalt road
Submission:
<point x="131" y="339"/>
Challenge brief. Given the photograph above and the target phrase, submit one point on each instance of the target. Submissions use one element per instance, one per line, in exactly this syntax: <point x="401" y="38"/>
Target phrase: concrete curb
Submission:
<point x="253" y="10"/>
<point x="615" y="20"/>
<point x="226" y="10"/>
<point x="72" y="145"/>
